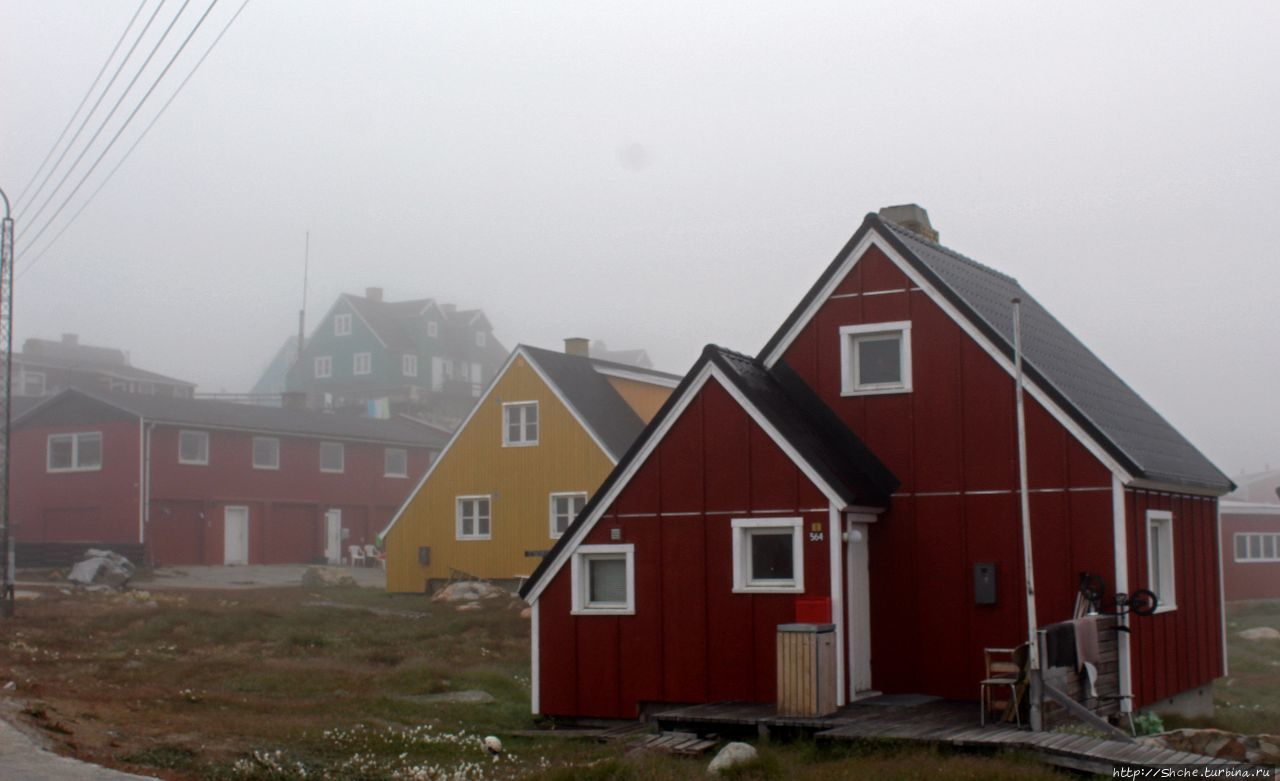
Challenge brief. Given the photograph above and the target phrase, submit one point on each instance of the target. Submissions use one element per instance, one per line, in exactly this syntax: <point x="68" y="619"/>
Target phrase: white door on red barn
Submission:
<point x="858" y="600"/>
<point x="235" y="548"/>
<point x="333" y="536"/>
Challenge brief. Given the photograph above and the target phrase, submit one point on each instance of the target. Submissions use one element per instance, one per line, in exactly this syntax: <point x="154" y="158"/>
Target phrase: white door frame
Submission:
<point x="235" y="535"/>
<point x="333" y="535"/>
<point x="858" y="604"/>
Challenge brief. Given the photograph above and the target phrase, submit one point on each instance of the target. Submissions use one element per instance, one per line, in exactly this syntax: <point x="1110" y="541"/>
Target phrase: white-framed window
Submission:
<point x="1257" y="546"/>
<point x="362" y="363"/>
<point x="324" y="366"/>
<point x="266" y="453"/>
<point x="193" y="447"/>
<point x="395" y="462"/>
<point x="875" y="358"/>
<point x="473" y="518"/>
<point x="479" y="338"/>
<point x="77" y="452"/>
<point x="332" y="457"/>
<point x="603" y="580"/>
<point x="768" y="555"/>
<point x="433" y="329"/>
<point x="1160" y="574"/>
<point x="29" y="383"/>
<point x="519" y="423"/>
<point x="342" y="325"/>
<point x="409" y="365"/>
<point x="564" y="508"/>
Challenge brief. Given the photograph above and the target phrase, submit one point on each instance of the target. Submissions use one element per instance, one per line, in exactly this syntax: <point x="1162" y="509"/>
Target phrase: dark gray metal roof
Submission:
<point x="589" y="392"/>
<point x="1110" y="411"/>
<point x="246" y="417"/>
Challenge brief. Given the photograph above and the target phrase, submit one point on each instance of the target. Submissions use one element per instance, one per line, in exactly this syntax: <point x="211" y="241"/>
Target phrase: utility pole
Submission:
<point x="6" y="406"/>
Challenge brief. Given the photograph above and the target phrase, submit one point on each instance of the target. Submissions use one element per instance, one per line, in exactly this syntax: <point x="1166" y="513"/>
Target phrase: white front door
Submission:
<point x="858" y="599"/>
<point x="333" y="536"/>
<point x="235" y="546"/>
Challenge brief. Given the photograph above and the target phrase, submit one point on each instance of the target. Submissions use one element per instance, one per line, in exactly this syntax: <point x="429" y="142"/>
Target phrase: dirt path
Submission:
<point x="23" y="760"/>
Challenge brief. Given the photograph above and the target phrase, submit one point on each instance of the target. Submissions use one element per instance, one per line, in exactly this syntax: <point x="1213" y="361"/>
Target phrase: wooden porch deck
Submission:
<point x="937" y="722"/>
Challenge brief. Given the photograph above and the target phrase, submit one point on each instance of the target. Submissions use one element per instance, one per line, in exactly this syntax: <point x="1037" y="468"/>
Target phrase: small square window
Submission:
<point x="395" y="462"/>
<point x="603" y="580"/>
<point x="520" y="424"/>
<point x="342" y="325"/>
<point x="409" y="365"/>
<point x="79" y="452"/>
<point x="1160" y="563"/>
<point x="767" y="555"/>
<point x="433" y="329"/>
<point x="473" y="518"/>
<point x="480" y="339"/>
<point x="362" y="363"/>
<point x="564" y="508"/>
<point x="332" y="457"/>
<point x="266" y="453"/>
<point x="875" y="358"/>
<point x="193" y="447"/>
<point x="29" y="383"/>
<point x="324" y="366"/>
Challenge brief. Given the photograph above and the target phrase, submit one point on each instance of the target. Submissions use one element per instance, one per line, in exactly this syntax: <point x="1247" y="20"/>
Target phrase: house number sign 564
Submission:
<point x="815" y="532"/>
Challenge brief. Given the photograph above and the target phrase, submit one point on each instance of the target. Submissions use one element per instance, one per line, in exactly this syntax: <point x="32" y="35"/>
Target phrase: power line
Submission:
<point x="83" y="101"/>
<point x="85" y="122"/>
<point x="103" y="126"/>
<point x="134" y="146"/>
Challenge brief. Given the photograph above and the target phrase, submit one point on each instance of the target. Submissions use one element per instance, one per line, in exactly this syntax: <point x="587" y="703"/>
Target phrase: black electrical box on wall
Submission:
<point x="984" y="582"/>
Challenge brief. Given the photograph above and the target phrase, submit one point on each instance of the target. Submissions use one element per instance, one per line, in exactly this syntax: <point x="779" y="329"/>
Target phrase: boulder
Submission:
<point x="1260" y="633"/>
<point x="732" y="755"/>
<point x="467" y="591"/>
<point x="102" y="568"/>
<point x="1258" y="749"/>
<point x="326" y="577"/>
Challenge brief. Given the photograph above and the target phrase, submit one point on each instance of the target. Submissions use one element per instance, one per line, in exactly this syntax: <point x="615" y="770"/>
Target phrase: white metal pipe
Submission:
<point x="1033" y="651"/>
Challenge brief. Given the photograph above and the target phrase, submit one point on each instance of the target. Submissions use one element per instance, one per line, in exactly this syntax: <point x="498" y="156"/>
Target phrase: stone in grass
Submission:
<point x="470" y="697"/>
<point x="465" y="606"/>
<point x="1261" y="633"/>
<point x="324" y="577"/>
<point x="732" y="755"/>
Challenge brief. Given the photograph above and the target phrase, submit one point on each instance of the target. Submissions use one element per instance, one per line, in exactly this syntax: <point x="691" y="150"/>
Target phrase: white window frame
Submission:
<point x="342" y="324"/>
<point x="851" y="335"/>
<point x="433" y="329"/>
<point x="323" y="366"/>
<point x="409" y="365"/>
<point x="362" y="361"/>
<point x="581" y="561"/>
<point x="342" y="457"/>
<point x="254" y="454"/>
<point x="553" y="515"/>
<point x="480" y="339"/>
<point x="1262" y="557"/>
<point x="475" y="535"/>
<point x="204" y="438"/>
<point x="743" y="529"/>
<point x="25" y="376"/>
<point x="512" y="406"/>
<point x="1166" y="589"/>
<point x="386" y="465"/>
<point x="75" y="437"/>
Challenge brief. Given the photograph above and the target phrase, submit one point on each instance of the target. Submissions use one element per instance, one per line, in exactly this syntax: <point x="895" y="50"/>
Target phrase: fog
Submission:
<point x="663" y="175"/>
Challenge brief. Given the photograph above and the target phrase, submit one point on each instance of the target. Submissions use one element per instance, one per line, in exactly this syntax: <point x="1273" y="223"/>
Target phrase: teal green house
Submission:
<point x="418" y="356"/>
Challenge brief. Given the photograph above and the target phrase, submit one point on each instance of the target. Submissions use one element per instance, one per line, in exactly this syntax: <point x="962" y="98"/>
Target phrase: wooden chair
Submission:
<point x="358" y="558"/>
<point x="1006" y="677"/>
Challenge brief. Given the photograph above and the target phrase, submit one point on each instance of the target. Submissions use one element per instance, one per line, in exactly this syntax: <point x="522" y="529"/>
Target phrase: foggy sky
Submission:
<point x="661" y="175"/>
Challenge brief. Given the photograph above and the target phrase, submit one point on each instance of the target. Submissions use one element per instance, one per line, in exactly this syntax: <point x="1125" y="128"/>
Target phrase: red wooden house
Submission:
<point x="209" y="482"/>
<point x="1250" y="550"/>
<point x="868" y="456"/>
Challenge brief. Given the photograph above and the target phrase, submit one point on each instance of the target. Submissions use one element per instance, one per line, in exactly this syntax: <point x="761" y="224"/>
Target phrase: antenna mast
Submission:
<point x="302" y="313"/>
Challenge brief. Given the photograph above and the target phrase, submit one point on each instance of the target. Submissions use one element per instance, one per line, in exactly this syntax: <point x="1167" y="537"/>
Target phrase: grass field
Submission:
<point x="292" y="683"/>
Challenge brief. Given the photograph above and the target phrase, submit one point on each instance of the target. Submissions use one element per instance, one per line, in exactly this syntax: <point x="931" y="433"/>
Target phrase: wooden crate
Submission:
<point x="806" y="669"/>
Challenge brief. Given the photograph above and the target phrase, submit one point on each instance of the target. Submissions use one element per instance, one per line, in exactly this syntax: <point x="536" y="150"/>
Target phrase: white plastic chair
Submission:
<point x="371" y="554"/>
<point x="358" y="558"/>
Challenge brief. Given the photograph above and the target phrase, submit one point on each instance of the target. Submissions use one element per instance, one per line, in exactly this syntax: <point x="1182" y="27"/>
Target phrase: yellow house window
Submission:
<point x="473" y="518"/>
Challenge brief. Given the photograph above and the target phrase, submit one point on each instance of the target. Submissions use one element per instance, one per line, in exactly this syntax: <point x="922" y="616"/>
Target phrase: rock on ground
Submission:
<point x="732" y="755"/>
<point x="102" y="567"/>
<point x="1257" y="749"/>
<point x="467" y="591"/>
<point x="324" y="577"/>
<point x="1261" y="633"/>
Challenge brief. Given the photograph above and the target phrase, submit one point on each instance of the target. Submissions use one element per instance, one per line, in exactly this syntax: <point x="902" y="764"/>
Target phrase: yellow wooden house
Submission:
<point x="544" y="435"/>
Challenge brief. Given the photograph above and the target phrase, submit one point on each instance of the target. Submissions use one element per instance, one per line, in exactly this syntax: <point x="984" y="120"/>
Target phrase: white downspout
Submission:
<point x="835" y="528"/>
<point x="142" y="479"/>
<point x="1121" y="545"/>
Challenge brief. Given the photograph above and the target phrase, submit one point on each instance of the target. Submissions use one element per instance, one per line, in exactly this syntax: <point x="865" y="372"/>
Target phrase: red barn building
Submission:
<point x="869" y="457"/>
<point x="1250" y="550"/>
<point x="209" y="482"/>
